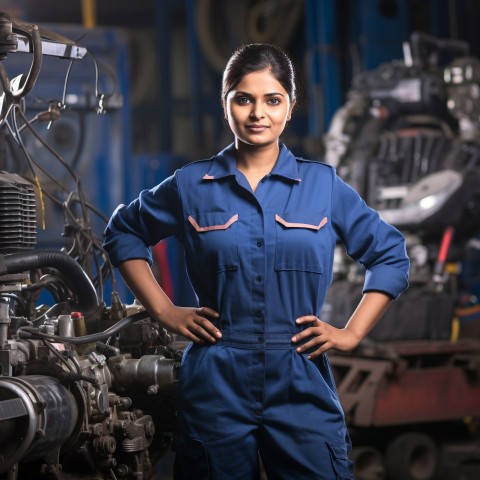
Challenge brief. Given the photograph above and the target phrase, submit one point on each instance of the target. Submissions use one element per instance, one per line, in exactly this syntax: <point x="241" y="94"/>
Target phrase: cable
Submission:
<point x="85" y="244"/>
<point x="65" y="165"/>
<point x="63" y="105"/>
<point x="29" y="332"/>
<point x="60" y="203"/>
<point x="101" y="97"/>
<point x="83" y="230"/>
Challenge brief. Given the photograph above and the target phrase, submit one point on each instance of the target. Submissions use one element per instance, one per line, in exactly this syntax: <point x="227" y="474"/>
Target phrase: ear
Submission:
<point x="289" y="116"/>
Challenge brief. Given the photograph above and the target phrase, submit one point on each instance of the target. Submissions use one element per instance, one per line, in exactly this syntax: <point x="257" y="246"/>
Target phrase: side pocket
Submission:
<point x="323" y="367"/>
<point x="341" y="465"/>
<point x="190" y="459"/>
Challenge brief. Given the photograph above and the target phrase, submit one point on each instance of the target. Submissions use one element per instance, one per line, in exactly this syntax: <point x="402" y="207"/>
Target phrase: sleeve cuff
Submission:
<point x="128" y="250"/>
<point x="384" y="278"/>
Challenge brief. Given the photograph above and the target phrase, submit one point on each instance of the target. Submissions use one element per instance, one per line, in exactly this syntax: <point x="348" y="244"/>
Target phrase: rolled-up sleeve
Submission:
<point x="156" y="214"/>
<point x="370" y="241"/>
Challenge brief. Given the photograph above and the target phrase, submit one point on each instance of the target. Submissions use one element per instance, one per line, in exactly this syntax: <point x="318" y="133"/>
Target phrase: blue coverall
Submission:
<point x="261" y="260"/>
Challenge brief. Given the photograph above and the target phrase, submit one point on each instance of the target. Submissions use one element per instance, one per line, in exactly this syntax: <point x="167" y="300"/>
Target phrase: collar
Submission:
<point x="224" y="164"/>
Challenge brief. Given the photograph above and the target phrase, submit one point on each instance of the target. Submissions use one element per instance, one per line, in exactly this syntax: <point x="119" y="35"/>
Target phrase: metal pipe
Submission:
<point x="4" y="322"/>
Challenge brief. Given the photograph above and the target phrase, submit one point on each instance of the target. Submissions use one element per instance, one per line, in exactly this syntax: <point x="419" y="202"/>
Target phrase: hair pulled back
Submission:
<point x="255" y="57"/>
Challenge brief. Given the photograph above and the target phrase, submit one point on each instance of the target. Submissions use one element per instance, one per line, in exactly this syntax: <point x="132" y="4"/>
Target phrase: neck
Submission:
<point x="256" y="158"/>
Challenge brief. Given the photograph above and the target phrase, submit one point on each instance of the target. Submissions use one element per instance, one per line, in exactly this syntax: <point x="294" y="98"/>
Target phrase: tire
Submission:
<point x="368" y="463"/>
<point x="412" y="456"/>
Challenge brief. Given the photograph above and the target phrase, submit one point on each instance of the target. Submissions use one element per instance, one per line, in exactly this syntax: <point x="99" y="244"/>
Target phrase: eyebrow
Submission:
<point x="266" y="95"/>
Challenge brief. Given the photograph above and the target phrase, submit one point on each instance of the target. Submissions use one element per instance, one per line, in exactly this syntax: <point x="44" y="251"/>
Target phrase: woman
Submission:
<point x="259" y="228"/>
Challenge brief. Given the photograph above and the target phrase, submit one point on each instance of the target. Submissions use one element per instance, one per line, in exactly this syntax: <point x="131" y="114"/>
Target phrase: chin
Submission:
<point x="257" y="141"/>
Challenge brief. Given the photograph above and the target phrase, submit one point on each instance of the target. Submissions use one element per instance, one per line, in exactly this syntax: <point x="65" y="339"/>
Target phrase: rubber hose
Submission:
<point x="74" y="276"/>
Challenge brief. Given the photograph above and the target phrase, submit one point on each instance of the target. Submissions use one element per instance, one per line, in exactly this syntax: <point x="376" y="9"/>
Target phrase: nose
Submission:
<point x="257" y="111"/>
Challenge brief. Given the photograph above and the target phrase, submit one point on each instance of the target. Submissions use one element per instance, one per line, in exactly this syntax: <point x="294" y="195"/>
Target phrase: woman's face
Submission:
<point x="257" y="109"/>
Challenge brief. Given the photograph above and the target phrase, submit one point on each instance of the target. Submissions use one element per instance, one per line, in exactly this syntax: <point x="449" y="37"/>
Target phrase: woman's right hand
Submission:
<point x="192" y="323"/>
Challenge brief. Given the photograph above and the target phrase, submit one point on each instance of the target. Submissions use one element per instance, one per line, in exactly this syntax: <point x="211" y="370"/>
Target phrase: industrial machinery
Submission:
<point x="408" y="140"/>
<point x="87" y="391"/>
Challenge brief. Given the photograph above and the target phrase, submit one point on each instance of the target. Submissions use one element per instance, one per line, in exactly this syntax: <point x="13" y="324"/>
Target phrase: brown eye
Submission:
<point x="242" y="100"/>
<point x="273" y="101"/>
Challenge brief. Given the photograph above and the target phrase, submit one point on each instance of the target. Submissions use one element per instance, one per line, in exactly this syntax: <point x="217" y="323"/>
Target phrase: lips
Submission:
<point x="257" y="128"/>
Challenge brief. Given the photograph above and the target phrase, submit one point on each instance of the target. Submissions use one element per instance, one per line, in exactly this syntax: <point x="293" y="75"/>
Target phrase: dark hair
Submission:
<point x="255" y="57"/>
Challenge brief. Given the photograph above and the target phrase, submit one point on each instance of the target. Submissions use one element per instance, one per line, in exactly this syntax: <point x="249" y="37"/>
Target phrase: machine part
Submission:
<point x="143" y="372"/>
<point x="60" y="416"/>
<point x="425" y="198"/>
<point x="75" y="277"/>
<point x="14" y="91"/>
<point x="44" y="413"/>
<point x="357" y="385"/>
<point x="28" y="38"/>
<point x="462" y="78"/>
<point x="414" y="156"/>
<point x="389" y="388"/>
<point x="8" y="40"/>
<point x="439" y="268"/>
<point x="336" y="140"/>
<point x="18" y="226"/>
<point x="52" y="43"/>
<point x="65" y="326"/>
<point x="368" y="463"/>
<point x="427" y="50"/>
<point x="4" y="323"/>
<point x="412" y="456"/>
<point x="138" y="434"/>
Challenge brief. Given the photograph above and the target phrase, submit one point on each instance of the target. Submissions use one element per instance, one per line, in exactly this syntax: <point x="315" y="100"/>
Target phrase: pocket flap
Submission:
<point x="207" y="226"/>
<point x="310" y="221"/>
<point x="339" y="450"/>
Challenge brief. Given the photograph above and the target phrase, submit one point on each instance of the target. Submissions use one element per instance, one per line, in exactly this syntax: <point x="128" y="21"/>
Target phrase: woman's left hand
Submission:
<point x="324" y="335"/>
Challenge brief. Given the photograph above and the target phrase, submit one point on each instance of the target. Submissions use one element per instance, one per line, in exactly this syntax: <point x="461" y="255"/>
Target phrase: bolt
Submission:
<point x="152" y="389"/>
<point x="122" y="470"/>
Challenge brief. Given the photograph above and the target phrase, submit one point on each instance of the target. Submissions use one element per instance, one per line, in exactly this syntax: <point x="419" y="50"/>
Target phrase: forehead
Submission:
<point x="262" y="81"/>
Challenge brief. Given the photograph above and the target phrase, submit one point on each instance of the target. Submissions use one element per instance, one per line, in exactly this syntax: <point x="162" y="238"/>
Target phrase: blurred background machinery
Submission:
<point x="389" y="95"/>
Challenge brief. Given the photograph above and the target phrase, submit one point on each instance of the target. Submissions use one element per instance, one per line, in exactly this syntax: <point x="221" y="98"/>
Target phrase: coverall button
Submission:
<point x="261" y="340"/>
<point x="260" y="357"/>
<point x="259" y="244"/>
<point x="258" y="398"/>
<point x="259" y="279"/>
<point x="259" y="313"/>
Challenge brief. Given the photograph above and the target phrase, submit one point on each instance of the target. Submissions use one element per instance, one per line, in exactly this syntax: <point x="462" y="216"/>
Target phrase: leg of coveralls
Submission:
<point x="217" y="421"/>
<point x="230" y="458"/>
<point x="303" y="434"/>
<point x="286" y="457"/>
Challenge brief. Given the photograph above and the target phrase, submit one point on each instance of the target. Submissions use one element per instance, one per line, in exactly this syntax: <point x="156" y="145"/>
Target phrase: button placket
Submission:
<point x="258" y="278"/>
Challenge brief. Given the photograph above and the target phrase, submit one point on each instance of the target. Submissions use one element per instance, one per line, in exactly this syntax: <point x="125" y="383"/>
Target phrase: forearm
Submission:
<point x="192" y="323"/>
<point x="367" y="314"/>
<point x="140" y="280"/>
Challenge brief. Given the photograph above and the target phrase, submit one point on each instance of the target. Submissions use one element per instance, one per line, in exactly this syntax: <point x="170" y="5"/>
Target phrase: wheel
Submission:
<point x="368" y="463"/>
<point x="412" y="456"/>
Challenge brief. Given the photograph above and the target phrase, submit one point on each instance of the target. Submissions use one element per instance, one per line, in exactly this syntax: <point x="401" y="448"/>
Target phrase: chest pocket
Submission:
<point x="214" y="240"/>
<point x="300" y="241"/>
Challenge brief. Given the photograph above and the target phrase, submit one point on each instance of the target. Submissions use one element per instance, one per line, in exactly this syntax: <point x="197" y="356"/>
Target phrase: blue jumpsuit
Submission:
<point x="261" y="260"/>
